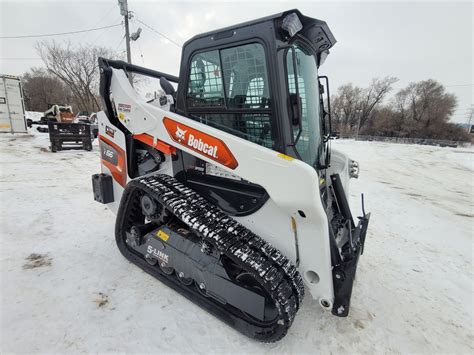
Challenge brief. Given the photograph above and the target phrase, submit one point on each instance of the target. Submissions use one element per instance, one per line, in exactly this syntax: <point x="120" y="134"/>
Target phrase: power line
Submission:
<point x="448" y="86"/>
<point x="399" y="85"/>
<point x="141" y="54"/>
<point x="161" y="34"/>
<point x="20" y="59"/>
<point x="115" y="50"/>
<point x="60" y="34"/>
<point x="104" y="32"/>
<point x="100" y="20"/>
<point x="455" y="88"/>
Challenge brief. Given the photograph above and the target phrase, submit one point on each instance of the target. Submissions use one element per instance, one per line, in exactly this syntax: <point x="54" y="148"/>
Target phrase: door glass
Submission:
<point x="307" y="78"/>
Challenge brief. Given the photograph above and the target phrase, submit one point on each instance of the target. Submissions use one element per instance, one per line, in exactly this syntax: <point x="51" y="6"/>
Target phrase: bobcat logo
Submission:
<point x="180" y="133"/>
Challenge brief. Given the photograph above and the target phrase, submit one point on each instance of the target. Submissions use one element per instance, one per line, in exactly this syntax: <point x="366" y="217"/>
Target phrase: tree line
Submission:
<point x="420" y="110"/>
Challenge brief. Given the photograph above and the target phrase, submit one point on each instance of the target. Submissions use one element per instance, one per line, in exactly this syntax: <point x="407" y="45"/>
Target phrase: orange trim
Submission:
<point x="118" y="171"/>
<point x="202" y="143"/>
<point x="160" y="145"/>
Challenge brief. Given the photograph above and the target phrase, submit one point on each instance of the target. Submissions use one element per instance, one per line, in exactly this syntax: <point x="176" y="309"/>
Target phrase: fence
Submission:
<point x="421" y="141"/>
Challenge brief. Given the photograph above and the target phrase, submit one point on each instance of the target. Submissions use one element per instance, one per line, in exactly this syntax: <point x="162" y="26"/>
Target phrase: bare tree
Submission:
<point x="346" y="107"/>
<point x="354" y="107"/>
<point x="41" y="89"/>
<point x="425" y="107"/>
<point x="421" y="110"/>
<point x="76" y="67"/>
<point x="373" y="96"/>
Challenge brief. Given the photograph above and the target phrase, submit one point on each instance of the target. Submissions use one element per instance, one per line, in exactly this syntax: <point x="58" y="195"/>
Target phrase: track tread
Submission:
<point x="269" y="266"/>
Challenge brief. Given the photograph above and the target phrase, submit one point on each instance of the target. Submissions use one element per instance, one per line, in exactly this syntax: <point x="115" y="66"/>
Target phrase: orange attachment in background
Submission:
<point x="160" y="145"/>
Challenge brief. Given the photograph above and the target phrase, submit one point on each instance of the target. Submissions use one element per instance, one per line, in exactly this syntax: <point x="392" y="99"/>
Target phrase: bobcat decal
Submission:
<point x="206" y="145"/>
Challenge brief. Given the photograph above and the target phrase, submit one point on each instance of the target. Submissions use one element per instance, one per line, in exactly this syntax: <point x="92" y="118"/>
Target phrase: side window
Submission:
<point x="205" y="81"/>
<point x="241" y="91"/>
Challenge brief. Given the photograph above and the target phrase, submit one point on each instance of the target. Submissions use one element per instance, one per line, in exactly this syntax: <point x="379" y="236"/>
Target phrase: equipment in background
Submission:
<point x="225" y="186"/>
<point x="67" y="131"/>
<point x="64" y="136"/>
<point x="55" y="113"/>
<point x="59" y="113"/>
<point x="12" y="108"/>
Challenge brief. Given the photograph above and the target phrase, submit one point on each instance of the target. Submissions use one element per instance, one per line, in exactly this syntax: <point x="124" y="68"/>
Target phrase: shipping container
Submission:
<point x="12" y="107"/>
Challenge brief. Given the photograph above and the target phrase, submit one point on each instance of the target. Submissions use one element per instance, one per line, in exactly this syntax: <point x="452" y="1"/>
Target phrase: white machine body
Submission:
<point x="293" y="219"/>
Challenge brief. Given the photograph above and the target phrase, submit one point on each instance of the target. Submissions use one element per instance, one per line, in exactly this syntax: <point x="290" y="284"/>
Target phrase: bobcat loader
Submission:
<point x="225" y="189"/>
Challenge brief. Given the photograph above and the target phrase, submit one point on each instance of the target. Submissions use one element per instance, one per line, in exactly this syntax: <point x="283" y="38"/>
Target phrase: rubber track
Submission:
<point x="277" y="275"/>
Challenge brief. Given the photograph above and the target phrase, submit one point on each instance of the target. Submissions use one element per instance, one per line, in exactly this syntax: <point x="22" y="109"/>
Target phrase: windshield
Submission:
<point x="308" y="90"/>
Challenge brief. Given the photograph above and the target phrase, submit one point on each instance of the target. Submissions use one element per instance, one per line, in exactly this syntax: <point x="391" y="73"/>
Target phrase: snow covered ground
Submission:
<point x="413" y="291"/>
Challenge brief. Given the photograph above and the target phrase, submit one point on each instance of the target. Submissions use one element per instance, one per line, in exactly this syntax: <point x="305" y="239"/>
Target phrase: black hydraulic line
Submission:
<point x="328" y="97"/>
<point x="341" y="198"/>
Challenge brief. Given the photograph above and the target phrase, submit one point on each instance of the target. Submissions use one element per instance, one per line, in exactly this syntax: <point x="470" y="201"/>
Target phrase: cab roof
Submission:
<point x="315" y="30"/>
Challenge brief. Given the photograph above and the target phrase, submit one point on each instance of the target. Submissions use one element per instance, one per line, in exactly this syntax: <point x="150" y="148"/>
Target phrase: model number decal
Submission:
<point x="108" y="153"/>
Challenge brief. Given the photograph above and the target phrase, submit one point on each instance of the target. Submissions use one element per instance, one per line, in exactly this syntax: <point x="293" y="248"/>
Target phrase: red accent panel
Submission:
<point x="202" y="143"/>
<point x="119" y="170"/>
<point x="160" y="145"/>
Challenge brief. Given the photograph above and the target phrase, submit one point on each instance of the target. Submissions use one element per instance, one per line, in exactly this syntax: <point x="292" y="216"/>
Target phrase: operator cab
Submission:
<point x="241" y="79"/>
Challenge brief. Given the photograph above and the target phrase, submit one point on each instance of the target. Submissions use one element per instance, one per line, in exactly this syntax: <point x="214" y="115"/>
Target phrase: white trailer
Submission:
<point x="12" y="108"/>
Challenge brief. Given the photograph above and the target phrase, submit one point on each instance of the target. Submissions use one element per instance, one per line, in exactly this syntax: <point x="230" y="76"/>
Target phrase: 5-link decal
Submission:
<point x="200" y="142"/>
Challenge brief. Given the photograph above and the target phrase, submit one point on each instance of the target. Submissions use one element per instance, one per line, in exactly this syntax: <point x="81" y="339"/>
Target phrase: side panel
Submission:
<point x="111" y="136"/>
<point x="291" y="184"/>
<point x="273" y="223"/>
<point x="12" y="110"/>
<point x="113" y="155"/>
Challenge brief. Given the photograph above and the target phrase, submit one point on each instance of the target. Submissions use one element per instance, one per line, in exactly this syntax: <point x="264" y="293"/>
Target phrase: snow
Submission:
<point x="413" y="291"/>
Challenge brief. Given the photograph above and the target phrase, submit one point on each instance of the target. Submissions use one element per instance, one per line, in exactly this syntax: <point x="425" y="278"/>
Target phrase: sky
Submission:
<point x="409" y="40"/>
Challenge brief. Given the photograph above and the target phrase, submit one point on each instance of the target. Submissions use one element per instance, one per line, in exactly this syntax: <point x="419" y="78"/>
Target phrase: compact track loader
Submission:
<point x="225" y="188"/>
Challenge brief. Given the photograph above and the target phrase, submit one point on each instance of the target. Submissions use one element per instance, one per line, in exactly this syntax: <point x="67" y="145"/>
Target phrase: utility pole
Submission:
<point x="127" y="39"/>
<point x="125" y="13"/>
<point x="470" y="119"/>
